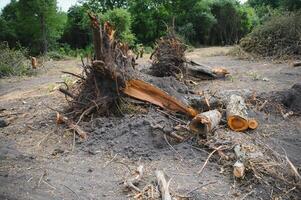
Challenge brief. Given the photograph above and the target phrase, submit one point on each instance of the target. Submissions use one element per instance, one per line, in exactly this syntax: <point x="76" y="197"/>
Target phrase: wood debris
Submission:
<point x="237" y="115"/>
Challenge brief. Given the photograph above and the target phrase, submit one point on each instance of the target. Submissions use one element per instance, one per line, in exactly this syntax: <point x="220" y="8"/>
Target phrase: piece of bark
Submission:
<point x="146" y="92"/>
<point x="72" y="125"/>
<point x="163" y="185"/>
<point x="204" y="123"/>
<point x="237" y="116"/>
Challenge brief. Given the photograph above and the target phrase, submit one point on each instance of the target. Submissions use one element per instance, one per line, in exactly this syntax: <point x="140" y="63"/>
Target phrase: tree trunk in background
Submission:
<point x="44" y="35"/>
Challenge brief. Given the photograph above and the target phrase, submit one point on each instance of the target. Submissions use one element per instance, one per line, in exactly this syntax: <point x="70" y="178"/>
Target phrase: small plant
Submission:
<point x="13" y="61"/>
<point x="254" y="76"/>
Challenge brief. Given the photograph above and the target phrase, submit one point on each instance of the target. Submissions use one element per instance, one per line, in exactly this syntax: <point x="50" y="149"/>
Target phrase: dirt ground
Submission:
<point x="42" y="160"/>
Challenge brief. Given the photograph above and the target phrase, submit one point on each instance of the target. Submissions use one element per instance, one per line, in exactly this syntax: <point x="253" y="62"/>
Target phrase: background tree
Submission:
<point x="77" y="30"/>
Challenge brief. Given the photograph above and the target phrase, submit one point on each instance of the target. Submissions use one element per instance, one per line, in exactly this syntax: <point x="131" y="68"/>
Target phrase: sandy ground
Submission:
<point x="40" y="160"/>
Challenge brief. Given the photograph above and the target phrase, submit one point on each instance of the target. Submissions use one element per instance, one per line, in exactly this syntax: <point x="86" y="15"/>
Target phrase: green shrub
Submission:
<point x="13" y="61"/>
<point x="56" y="55"/>
<point x="279" y="37"/>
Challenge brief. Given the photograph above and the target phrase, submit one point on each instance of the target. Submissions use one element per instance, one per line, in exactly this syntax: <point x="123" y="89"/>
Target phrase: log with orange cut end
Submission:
<point x="237" y="116"/>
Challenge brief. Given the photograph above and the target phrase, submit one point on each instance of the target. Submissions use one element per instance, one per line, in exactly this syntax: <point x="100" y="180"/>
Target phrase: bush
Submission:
<point x="13" y="61"/>
<point x="56" y="55"/>
<point x="279" y="37"/>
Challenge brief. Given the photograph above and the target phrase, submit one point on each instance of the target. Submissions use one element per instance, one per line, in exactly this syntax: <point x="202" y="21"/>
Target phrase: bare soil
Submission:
<point x="42" y="160"/>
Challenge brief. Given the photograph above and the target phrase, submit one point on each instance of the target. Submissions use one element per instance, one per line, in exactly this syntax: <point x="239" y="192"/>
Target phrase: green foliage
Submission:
<point x="13" y="61"/>
<point x="56" y="55"/>
<point x="34" y="23"/>
<point x="232" y="22"/>
<point x="38" y="25"/>
<point x="289" y="5"/>
<point x="100" y="6"/>
<point x="279" y="37"/>
<point x="121" y="20"/>
<point x="77" y="26"/>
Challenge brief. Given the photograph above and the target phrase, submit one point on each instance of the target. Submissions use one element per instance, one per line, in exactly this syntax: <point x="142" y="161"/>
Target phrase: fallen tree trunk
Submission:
<point x="201" y="71"/>
<point x="205" y="122"/>
<point x="237" y="115"/>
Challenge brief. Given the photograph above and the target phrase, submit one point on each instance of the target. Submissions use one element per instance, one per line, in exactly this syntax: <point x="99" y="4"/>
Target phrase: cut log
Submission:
<point x="205" y="122"/>
<point x="163" y="185"/>
<point x="239" y="169"/>
<point x="200" y="71"/>
<point x="253" y="124"/>
<point x="237" y="116"/>
<point x="72" y="125"/>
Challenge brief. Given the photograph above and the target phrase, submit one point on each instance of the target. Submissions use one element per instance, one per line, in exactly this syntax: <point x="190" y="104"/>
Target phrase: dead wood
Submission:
<point x="112" y="75"/>
<point x="144" y="91"/>
<point x="163" y="185"/>
<point x="204" y="123"/>
<point x="169" y="59"/>
<point x="72" y="125"/>
<point x="98" y="90"/>
<point x="133" y="181"/>
<point x="237" y="115"/>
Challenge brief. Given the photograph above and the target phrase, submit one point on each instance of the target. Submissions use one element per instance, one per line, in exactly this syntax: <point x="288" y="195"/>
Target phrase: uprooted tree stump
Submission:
<point x="169" y="59"/>
<point x="99" y="87"/>
<point x="111" y="76"/>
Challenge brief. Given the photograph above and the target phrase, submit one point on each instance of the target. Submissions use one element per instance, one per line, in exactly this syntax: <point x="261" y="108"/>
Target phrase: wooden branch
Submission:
<point x="66" y="92"/>
<point x="130" y="183"/>
<point x="163" y="185"/>
<point x="72" y="125"/>
<point x="72" y="74"/>
<point x="205" y="122"/>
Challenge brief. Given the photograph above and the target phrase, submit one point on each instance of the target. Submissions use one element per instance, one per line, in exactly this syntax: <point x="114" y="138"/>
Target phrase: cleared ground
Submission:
<point x="40" y="160"/>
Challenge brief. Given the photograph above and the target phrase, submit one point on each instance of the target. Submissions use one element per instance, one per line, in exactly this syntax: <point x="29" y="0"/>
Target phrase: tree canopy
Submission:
<point x="40" y="26"/>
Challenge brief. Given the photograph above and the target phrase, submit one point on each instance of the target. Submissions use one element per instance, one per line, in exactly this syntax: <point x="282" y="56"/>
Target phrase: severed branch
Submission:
<point x="71" y="124"/>
<point x="130" y="183"/>
<point x="163" y="185"/>
<point x="72" y="74"/>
